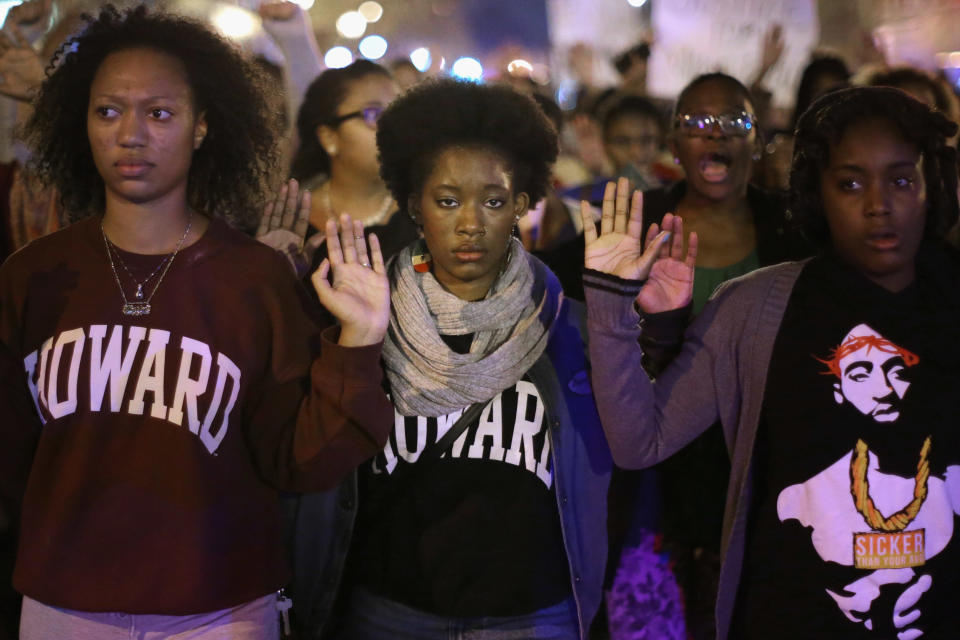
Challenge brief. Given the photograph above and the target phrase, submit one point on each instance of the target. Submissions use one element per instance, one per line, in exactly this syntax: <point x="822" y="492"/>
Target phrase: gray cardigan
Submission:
<point x="720" y="373"/>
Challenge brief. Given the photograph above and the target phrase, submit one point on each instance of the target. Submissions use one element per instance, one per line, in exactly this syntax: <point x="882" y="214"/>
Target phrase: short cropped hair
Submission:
<point x="716" y="77"/>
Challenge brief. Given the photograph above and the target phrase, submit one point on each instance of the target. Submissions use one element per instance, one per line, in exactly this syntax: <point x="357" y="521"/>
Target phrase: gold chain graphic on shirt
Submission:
<point x="860" y="488"/>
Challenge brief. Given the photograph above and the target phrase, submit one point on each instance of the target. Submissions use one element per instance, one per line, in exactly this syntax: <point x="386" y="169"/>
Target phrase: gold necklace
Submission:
<point x="860" y="489"/>
<point x="139" y="306"/>
<point x="372" y="221"/>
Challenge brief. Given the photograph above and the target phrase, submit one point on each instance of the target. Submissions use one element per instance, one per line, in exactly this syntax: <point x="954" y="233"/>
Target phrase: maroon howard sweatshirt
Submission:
<point x="158" y="442"/>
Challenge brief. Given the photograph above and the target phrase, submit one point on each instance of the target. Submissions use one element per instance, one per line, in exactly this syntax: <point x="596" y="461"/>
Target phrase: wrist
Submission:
<point x="354" y="336"/>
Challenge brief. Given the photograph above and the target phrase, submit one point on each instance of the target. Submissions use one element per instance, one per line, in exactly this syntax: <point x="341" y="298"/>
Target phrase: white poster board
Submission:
<point x="700" y="36"/>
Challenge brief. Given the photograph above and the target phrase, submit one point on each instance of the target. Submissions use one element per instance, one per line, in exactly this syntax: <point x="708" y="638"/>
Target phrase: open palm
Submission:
<point x="661" y="260"/>
<point x="21" y="68"/>
<point x="670" y="281"/>
<point x="359" y="296"/>
<point x="284" y="224"/>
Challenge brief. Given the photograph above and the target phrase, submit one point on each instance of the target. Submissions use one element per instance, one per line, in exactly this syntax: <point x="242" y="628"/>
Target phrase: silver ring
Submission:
<point x="364" y="264"/>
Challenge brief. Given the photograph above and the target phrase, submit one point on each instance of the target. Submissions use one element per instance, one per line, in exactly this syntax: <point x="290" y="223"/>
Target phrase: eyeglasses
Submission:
<point x="370" y="115"/>
<point x="701" y="124"/>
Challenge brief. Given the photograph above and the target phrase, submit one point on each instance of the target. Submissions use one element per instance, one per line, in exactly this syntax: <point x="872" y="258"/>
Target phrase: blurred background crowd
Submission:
<point x="608" y="74"/>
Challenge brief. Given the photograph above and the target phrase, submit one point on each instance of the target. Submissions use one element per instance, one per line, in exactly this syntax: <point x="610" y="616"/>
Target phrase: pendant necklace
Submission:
<point x="372" y="221"/>
<point x="140" y="306"/>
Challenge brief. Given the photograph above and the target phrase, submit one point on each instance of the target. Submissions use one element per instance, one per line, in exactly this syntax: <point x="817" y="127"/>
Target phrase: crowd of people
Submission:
<point x="447" y="361"/>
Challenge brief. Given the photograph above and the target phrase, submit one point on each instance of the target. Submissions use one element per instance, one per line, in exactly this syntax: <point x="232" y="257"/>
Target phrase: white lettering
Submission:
<point x="491" y="426"/>
<point x="225" y="368"/>
<point x="542" y="471"/>
<point x="30" y="364"/>
<point x="459" y="443"/>
<point x="57" y="408"/>
<point x="111" y="367"/>
<point x="388" y="453"/>
<point x="419" y="445"/>
<point x="445" y="422"/>
<point x="524" y="430"/>
<point x="189" y="389"/>
<point x="152" y="376"/>
<point x="42" y="378"/>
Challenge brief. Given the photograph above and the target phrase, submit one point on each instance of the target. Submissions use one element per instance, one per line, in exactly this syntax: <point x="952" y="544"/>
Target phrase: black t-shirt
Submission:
<point x="476" y="532"/>
<point x="857" y="466"/>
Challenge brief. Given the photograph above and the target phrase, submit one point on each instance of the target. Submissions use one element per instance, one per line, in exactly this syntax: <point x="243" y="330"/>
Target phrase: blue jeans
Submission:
<point x="255" y="620"/>
<point x="370" y="617"/>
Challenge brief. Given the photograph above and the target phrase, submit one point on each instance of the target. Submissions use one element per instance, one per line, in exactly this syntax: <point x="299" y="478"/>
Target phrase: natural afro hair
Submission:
<point x="439" y="114"/>
<point x="823" y="126"/>
<point x="230" y="169"/>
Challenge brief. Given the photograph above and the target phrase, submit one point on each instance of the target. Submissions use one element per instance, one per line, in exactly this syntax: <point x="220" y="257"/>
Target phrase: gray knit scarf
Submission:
<point x="510" y="328"/>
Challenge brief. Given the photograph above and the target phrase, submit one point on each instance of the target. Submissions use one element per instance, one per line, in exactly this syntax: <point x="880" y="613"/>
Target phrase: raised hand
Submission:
<point x="771" y="48"/>
<point x="618" y="251"/>
<point x="278" y="10"/>
<point x="670" y="281"/>
<point x="21" y="68"/>
<point x="284" y="223"/>
<point x="360" y="294"/>
<point x="32" y="17"/>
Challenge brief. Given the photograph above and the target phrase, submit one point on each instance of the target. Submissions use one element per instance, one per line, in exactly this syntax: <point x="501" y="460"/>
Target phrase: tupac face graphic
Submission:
<point x="872" y="373"/>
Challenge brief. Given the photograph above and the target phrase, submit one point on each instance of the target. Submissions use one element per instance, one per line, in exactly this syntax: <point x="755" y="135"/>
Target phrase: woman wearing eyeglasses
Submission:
<point x="715" y="138"/>
<point x="337" y="157"/>
<point x="833" y="378"/>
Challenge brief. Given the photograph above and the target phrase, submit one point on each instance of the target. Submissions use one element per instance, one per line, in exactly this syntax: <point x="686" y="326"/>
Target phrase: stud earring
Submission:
<point x="676" y="160"/>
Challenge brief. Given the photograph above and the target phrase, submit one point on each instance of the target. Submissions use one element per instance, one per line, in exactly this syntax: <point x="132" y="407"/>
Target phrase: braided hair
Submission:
<point x="824" y="124"/>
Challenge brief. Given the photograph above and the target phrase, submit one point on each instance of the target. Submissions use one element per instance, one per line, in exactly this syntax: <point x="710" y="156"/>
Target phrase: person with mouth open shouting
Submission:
<point x="834" y="380"/>
<point x="741" y="227"/>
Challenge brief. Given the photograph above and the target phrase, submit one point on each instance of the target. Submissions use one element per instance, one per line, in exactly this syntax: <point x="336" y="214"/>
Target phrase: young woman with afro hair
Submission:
<point x="172" y="372"/>
<point x="834" y="380"/>
<point x="485" y="512"/>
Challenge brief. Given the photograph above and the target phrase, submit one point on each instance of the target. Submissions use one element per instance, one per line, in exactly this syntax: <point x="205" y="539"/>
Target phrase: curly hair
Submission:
<point x="824" y="124"/>
<point x="229" y="171"/>
<point x="440" y="114"/>
<point x="320" y="106"/>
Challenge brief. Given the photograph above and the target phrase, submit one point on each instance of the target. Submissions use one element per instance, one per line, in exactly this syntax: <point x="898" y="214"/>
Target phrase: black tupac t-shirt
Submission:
<point x="475" y="533"/>
<point x="857" y="467"/>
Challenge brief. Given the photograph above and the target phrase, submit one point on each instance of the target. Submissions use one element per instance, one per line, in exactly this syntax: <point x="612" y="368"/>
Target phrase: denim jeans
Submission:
<point x="255" y="620"/>
<point x="370" y="617"/>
